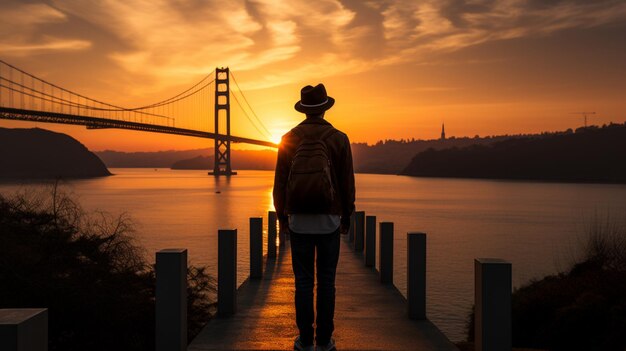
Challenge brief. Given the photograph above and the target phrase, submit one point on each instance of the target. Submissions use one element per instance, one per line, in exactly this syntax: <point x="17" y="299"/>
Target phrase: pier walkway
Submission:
<point x="368" y="315"/>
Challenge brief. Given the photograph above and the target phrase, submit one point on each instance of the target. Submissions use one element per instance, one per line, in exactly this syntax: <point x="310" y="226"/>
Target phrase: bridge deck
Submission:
<point x="106" y="123"/>
<point x="368" y="315"/>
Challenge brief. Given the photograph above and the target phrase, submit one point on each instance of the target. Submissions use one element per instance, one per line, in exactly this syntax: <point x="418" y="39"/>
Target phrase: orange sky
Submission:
<point x="397" y="69"/>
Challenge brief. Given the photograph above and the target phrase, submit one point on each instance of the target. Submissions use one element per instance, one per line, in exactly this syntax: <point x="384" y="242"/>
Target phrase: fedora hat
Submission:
<point x="313" y="99"/>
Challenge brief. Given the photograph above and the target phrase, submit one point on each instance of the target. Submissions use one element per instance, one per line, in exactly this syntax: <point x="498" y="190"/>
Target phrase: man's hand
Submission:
<point x="343" y="229"/>
<point x="283" y="227"/>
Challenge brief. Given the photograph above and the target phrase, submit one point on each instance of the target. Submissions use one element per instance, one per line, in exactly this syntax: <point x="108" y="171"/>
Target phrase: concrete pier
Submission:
<point x="24" y="329"/>
<point x="226" y="272"/>
<point x="416" y="275"/>
<point x="386" y="252"/>
<point x="256" y="247"/>
<point x="492" y="298"/>
<point x="171" y="300"/>
<point x="370" y="241"/>
<point x="359" y="231"/>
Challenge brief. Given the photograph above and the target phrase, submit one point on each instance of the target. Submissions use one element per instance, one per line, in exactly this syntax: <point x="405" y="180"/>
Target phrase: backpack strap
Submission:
<point x="325" y="135"/>
<point x="297" y="132"/>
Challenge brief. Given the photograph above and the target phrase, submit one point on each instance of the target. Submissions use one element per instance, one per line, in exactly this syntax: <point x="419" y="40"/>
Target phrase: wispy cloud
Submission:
<point x="436" y="26"/>
<point x="47" y="45"/>
<point x="20" y="30"/>
<point x="29" y="14"/>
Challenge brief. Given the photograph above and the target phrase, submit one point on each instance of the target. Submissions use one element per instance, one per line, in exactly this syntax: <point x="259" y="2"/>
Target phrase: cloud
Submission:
<point x="168" y="41"/>
<point x="283" y="32"/>
<point x="20" y="30"/>
<point x="29" y="14"/>
<point x="50" y="44"/>
<point x="422" y="28"/>
<point x="165" y="39"/>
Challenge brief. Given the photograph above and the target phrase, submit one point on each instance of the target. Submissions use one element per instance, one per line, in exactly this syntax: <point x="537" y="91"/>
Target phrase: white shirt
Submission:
<point x="314" y="223"/>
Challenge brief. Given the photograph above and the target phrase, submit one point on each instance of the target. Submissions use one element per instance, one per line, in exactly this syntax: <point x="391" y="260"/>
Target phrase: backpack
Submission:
<point x="310" y="186"/>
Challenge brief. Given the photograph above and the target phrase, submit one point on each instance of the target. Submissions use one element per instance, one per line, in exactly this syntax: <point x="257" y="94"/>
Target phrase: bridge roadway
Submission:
<point x="104" y="123"/>
<point x="368" y="315"/>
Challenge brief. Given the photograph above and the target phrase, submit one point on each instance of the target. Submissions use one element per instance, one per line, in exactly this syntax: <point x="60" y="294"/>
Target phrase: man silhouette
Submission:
<point x="314" y="220"/>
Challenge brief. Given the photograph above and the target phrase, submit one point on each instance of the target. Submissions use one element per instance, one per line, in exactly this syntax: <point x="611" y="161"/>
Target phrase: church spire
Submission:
<point x="443" y="132"/>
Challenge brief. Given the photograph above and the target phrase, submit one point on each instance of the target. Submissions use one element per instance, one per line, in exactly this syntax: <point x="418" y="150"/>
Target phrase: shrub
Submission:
<point x="87" y="270"/>
<point x="581" y="309"/>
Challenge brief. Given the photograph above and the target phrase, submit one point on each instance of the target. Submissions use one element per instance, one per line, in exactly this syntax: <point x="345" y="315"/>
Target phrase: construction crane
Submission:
<point x="584" y="114"/>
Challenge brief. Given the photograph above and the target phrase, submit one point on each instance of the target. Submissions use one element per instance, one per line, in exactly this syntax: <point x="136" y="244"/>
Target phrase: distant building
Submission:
<point x="443" y="132"/>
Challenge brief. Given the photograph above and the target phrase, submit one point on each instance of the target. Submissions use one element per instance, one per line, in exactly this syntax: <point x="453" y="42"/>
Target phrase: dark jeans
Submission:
<point x="303" y="249"/>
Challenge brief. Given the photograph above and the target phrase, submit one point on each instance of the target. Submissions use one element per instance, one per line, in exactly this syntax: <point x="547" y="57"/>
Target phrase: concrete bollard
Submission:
<point x="492" y="299"/>
<point x="271" y="234"/>
<point x="370" y="241"/>
<point x="386" y="252"/>
<point x="359" y="231"/>
<point x="416" y="275"/>
<point x="352" y="229"/>
<point x="24" y="329"/>
<point x="171" y="300"/>
<point x="256" y="247"/>
<point x="226" y="272"/>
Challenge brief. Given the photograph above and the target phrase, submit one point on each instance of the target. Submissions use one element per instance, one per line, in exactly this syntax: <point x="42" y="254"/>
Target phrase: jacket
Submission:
<point x="340" y="154"/>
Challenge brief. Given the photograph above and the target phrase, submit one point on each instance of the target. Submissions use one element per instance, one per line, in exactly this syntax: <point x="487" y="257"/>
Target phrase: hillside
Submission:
<point x="392" y="156"/>
<point x="158" y="159"/>
<point x="367" y="158"/>
<point x="39" y="153"/>
<point x="241" y="159"/>
<point x="591" y="154"/>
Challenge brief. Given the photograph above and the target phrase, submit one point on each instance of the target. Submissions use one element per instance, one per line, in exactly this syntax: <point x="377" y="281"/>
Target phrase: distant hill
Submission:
<point x="392" y="156"/>
<point x="39" y="153"/>
<point x="187" y="159"/>
<point x="241" y="159"/>
<point x="158" y="159"/>
<point x="385" y="157"/>
<point x="591" y="154"/>
<point x="198" y="162"/>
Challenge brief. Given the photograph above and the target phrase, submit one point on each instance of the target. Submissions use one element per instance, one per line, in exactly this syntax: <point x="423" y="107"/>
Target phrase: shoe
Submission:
<point x="299" y="346"/>
<point x="329" y="347"/>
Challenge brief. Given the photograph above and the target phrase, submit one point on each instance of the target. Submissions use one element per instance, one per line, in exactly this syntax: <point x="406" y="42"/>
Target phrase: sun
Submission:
<point x="277" y="134"/>
<point x="276" y="138"/>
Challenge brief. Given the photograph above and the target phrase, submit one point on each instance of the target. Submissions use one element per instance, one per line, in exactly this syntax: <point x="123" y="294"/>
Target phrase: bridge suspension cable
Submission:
<point x="39" y="96"/>
<point x="26" y="97"/>
<point x="177" y="97"/>
<point x="265" y="132"/>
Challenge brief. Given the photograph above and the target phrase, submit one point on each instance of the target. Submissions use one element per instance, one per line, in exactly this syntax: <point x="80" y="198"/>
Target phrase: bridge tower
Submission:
<point x="222" y="109"/>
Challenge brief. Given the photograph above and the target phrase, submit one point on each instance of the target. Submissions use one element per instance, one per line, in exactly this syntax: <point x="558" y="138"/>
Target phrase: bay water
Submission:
<point x="536" y="226"/>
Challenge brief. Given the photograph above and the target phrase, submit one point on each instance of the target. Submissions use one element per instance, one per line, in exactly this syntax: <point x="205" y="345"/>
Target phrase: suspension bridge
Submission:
<point x="26" y="97"/>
